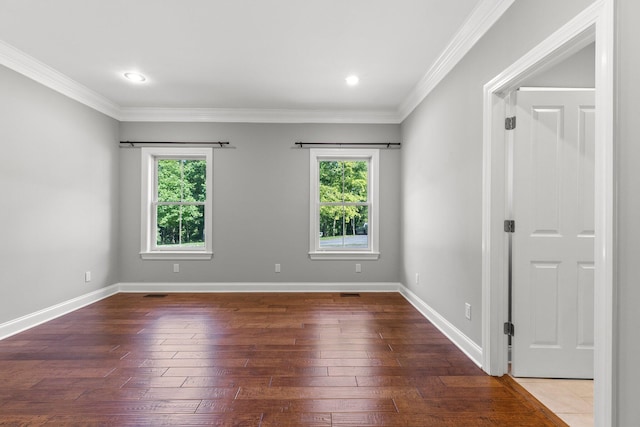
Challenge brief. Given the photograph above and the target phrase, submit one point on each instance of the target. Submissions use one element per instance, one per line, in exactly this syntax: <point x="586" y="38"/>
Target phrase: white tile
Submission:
<point x="577" y="420"/>
<point x="571" y="400"/>
<point x="559" y="400"/>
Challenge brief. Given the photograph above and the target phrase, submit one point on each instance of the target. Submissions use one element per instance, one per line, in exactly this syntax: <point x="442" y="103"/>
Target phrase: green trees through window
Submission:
<point x="180" y="208"/>
<point x="344" y="204"/>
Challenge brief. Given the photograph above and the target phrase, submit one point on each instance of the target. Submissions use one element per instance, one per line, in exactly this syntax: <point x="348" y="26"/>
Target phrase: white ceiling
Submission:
<point x="242" y="55"/>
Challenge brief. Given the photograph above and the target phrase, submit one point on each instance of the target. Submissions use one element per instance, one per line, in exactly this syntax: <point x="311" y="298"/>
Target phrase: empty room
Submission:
<point x="319" y="213"/>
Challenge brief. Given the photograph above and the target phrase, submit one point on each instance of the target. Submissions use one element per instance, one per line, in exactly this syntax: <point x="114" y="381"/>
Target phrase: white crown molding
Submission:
<point x="481" y="19"/>
<point x="245" y="115"/>
<point x="28" y="66"/>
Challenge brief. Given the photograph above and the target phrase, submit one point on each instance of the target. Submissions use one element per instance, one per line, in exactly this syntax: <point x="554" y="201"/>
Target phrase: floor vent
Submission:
<point x="349" y="295"/>
<point x="155" y="295"/>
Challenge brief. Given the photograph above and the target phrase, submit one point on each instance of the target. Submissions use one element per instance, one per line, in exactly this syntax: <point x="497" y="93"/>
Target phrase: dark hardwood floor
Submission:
<point x="246" y="359"/>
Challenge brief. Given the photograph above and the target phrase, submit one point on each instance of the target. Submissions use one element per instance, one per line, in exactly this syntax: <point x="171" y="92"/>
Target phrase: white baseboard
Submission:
<point x="468" y="347"/>
<point x="260" y="287"/>
<point x="23" y="323"/>
<point x="463" y="342"/>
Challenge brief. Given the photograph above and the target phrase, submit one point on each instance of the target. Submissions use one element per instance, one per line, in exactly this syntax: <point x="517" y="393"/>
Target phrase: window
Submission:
<point x="176" y="203"/>
<point x="344" y="204"/>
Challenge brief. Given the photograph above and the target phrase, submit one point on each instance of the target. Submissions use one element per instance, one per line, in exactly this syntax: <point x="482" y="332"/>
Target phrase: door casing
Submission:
<point x="596" y="23"/>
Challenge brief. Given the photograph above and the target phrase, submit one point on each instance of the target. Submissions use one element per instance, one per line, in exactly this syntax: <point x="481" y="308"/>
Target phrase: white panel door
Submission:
<point x="553" y="208"/>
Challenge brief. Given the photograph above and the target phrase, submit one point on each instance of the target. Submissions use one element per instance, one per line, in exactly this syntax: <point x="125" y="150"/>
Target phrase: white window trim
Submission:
<point x="148" y="250"/>
<point x="373" y="157"/>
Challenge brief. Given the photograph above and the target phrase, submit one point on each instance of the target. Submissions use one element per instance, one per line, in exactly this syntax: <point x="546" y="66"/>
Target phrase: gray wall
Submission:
<point x="58" y="186"/>
<point x="576" y="71"/>
<point x="442" y="166"/>
<point x="627" y="145"/>
<point x="261" y="205"/>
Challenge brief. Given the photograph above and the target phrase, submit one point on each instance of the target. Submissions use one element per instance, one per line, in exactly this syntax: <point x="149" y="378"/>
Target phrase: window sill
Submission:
<point x="344" y="255"/>
<point x="176" y="255"/>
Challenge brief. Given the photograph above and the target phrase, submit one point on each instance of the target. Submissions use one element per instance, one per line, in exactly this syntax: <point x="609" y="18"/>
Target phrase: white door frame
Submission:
<point x="596" y="23"/>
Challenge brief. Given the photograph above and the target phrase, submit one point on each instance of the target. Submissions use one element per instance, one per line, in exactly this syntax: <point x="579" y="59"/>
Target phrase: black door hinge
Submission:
<point x="509" y="329"/>
<point x="509" y="226"/>
<point x="510" y="123"/>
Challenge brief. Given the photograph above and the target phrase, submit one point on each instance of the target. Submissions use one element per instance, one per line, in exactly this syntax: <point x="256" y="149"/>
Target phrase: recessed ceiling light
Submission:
<point x="352" y="80"/>
<point x="135" y="77"/>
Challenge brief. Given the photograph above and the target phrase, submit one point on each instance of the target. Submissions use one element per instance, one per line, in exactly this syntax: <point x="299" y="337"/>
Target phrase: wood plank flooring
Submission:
<point x="246" y="359"/>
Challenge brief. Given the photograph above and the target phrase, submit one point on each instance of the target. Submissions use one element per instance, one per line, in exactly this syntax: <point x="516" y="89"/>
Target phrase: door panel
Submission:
<point x="546" y="169"/>
<point x="586" y="173"/>
<point x="553" y="206"/>
<point x="585" y="305"/>
<point x="544" y="315"/>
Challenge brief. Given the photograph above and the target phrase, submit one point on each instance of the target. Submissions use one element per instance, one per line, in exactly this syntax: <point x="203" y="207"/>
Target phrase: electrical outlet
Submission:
<point x="87" y="276"/>
<point x="358" y="268"/>
<point x="277" y="268"/>
<point x="467" y="310"/>
<point x="417" y="278"/>
<point x="176" y="268"/>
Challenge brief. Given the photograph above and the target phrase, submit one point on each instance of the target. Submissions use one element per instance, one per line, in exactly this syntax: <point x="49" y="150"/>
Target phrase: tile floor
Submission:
<point x="571" y="400"/>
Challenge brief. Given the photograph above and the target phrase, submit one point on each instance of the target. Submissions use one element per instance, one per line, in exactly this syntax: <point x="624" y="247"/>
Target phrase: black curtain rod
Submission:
<point x="220" y="143"/>
<point x="350" y="144"/>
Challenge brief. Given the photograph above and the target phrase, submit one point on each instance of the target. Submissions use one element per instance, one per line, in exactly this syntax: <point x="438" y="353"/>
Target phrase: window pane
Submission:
<point x="355" y="181"/>
<point x="195" y="189"/>
<point x="361" y="221"/>
<point x="344" y="227"/>
<point x="192" y="228"/>
<point x="343" y="181"/>
<point x="330" y="181"/>
<point x="169" y="180"/>
<point x="330" y="222"/>
<point x="168" y="232"/>
<point x="180" y="225"/>
<point x="181" y="180"/>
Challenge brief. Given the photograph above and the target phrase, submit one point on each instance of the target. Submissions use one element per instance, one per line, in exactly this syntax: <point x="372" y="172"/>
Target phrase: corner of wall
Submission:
<point x="456" y="336"/>
<point x="31" y="320"/>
